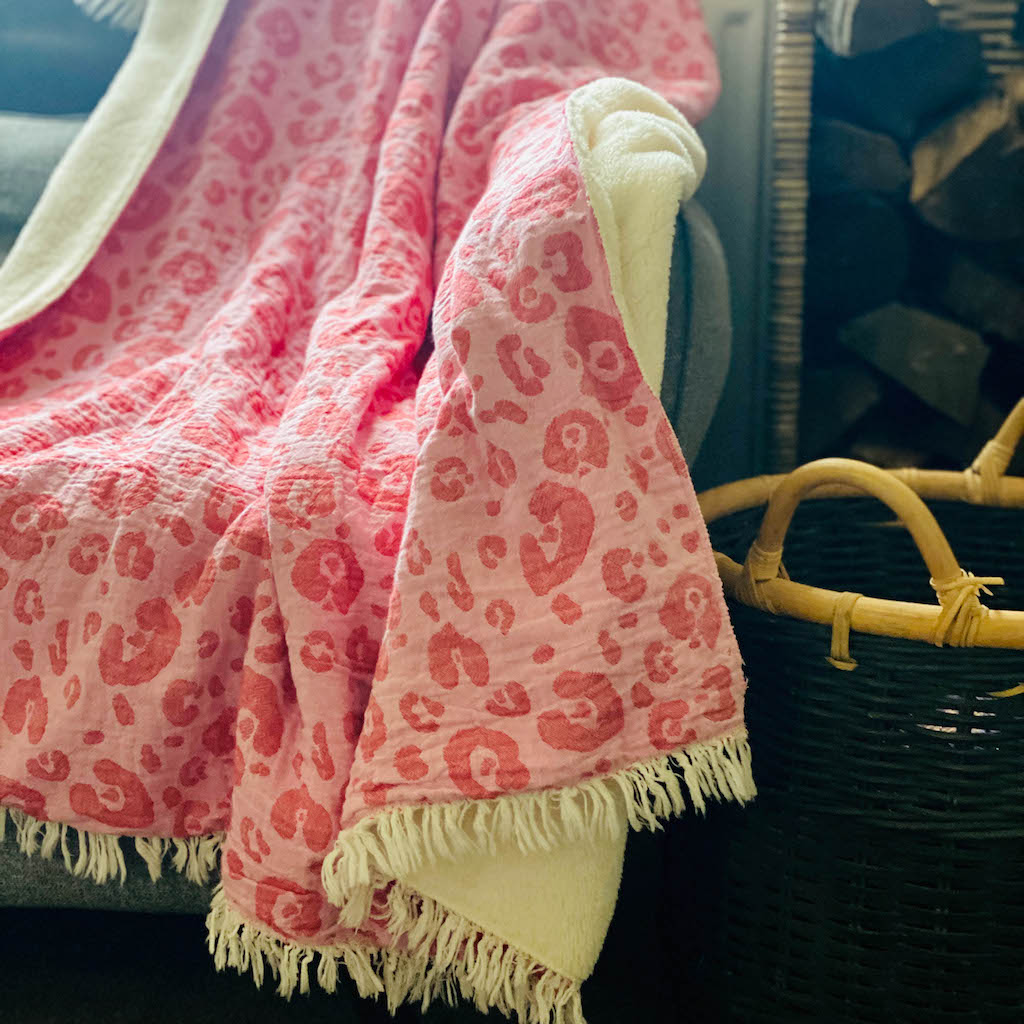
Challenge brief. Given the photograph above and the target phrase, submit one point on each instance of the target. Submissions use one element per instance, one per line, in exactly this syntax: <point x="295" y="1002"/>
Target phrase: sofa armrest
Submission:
<point x="698" y="344"/>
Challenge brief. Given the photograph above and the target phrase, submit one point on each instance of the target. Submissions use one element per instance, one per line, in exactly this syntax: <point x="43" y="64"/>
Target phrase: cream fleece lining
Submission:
<point x="103" y="166"/>
<point x="640" y="159"/>
<point x="554" y="905"/>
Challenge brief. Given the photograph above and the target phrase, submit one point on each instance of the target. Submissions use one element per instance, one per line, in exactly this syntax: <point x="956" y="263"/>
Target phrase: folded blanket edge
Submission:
<point x="395" y="842"/>
<point x="440" y="953"/>
<point x="445" y="956"/>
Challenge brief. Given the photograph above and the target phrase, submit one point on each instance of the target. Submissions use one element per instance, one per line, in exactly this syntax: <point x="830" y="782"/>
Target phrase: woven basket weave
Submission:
<point x="880" y="874"/>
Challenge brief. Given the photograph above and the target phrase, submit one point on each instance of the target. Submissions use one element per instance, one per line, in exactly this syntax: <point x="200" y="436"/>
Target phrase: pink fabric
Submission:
<point x="266" y="568"/>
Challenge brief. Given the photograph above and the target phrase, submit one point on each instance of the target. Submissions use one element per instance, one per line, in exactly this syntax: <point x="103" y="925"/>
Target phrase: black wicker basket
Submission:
<point x="879" y="876"/>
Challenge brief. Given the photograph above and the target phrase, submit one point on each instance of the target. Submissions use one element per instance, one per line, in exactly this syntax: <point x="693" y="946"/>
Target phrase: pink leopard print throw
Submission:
<point x="340" y="532"/>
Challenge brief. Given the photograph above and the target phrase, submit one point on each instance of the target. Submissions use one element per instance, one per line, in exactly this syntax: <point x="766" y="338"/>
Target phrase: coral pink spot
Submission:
<point x="690" y="611"/>
<point x="150" y="760"/>
<point x="484" y="763"/>
<point x="208" y="644"/>
<point x="641" y="696"/>
<point x="610" y="649"/>
<point x="626" y="506"/>
<point x="23" y="652"/>
<point x="566" y="609"/>
<point x="123" y="710"/>
<point x="543" y="654"/>
<point x="409" y="763"/>
<point x="657" y="554"/>
<point x="452" y="657"/>
<point x="666" y="726"/>
<point x="510" y="701"/>
<point x="717" y="682"/>
<point x="91" y="626"/>
<point x="72" y="691"/>
<point x="51" y="766"/>
<point x="568" y="518"/>
<point x="491" y="549"/>
<point x="429" y="606"/>
<point x="426" y="720"/>
<point x="500" y="614"/>
<point x="592" y="712"/>
<point x="236" y="869"/>
<point x="25" y="705"/>
<point x="295" y="810"/>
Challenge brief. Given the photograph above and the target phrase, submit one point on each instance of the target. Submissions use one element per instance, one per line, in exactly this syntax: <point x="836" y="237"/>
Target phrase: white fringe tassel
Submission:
<point x="441" y="954"/>
<point x="437" y="953"/>
<point x="398" y="841"/>
<point x="100" y="857"/>
<point x="234" y="942"/>
<point x="125" y="14"/>
<point x="444" y="956"/>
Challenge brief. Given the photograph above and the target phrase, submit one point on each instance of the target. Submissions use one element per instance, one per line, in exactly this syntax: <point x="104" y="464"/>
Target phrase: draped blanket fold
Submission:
<point x="341" y="529"/>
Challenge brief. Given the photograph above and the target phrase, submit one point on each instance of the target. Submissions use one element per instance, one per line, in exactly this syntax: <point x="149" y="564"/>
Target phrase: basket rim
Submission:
<point x="876" y="616"/>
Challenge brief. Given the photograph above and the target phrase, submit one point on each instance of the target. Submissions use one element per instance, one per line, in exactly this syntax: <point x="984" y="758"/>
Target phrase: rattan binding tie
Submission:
<point x="760" y="566"/>
<point x="962" y="611"/>
<point x="984" y="475"/>
<point x="842" y="619"/>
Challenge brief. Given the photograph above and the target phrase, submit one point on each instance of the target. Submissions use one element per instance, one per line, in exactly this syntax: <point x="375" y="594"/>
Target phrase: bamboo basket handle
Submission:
<point x="956" y="590"/>
<point x="988" y="469"/>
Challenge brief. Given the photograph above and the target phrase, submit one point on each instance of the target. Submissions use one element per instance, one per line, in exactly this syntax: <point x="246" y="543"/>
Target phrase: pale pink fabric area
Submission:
<point x="266" y="569"/>
<point x="557" y="614"/>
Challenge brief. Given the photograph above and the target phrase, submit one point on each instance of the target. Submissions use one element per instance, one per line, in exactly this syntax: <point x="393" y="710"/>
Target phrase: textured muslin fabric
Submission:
<point x="340" y="528"/>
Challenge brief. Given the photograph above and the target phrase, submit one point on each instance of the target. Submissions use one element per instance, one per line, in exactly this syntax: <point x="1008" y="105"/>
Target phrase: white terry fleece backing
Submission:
<point x="640" y="159"/>
<point x="103" y="166"/>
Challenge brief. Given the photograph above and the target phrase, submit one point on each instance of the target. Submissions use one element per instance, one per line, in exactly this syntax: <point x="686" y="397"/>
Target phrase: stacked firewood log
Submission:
<point x="914" y="318"/>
